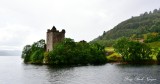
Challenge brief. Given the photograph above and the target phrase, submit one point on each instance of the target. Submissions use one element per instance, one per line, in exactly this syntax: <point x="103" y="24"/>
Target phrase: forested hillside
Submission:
<point x="146" y="23"/>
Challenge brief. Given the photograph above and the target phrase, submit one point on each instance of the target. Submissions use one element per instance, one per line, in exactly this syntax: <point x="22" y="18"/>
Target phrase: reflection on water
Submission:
<point x="13" y="71"/>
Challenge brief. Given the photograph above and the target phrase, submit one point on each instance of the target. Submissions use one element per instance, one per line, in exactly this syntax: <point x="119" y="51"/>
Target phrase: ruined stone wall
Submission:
<point x="53" y="37"/>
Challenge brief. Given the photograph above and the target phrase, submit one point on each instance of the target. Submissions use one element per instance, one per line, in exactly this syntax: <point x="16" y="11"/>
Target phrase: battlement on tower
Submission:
<point x="55" y="30"/>
<point x="53" y="37"/>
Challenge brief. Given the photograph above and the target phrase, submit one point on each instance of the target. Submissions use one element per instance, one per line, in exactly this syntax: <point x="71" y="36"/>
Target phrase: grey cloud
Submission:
<point x="82" y="19"/>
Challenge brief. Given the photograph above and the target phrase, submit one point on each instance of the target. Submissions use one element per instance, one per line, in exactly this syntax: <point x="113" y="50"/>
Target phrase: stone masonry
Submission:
<point x="53" y="37"/>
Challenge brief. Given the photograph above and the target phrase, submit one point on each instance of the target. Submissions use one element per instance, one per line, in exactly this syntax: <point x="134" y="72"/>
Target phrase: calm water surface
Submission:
<point x="13" y="71"/>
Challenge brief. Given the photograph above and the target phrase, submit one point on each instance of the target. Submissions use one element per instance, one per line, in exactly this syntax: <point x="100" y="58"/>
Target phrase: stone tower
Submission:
<point x="53" y="37"/>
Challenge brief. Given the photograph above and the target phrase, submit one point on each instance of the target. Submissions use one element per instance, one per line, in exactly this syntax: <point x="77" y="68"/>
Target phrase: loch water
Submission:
<point x="14" y="71"/>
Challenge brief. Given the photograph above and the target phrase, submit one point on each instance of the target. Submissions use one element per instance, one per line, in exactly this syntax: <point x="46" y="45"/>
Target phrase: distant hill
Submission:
<point x="145" y="23"/>
<point x="10" y="53"/>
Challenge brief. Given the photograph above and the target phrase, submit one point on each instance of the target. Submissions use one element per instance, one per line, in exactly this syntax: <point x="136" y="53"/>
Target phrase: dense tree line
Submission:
<point x="66" y="52"/>
<point x="34" y="53"/>
<point x="69" y="52"/>
<point x="139" y="25"/>
<point x="133" y="51"/>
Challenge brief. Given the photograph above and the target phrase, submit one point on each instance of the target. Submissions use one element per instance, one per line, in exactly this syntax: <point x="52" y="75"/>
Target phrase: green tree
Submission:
<point x="121" y="46"/>
<point x="34" y="53"/>
<point x="37" y="51"/>
<point x="26" y="53"/>
<point x="69" y="52"/>
<point x="139" y="52"/>
<point x="98" y="53"/>
<point x="132" y="51"/>
<point x="66" y="52"/>
<point x="62" y="52"/>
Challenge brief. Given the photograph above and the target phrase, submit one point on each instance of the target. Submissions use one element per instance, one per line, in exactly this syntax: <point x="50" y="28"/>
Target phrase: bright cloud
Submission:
<point x="26" y="21"/>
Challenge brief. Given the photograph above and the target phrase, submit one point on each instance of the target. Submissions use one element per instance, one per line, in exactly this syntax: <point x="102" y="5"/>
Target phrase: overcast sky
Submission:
<point x="26" y="21"/>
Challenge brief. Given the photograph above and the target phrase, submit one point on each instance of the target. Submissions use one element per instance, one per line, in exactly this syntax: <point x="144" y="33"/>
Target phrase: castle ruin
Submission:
<point x="53" y="37"/>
